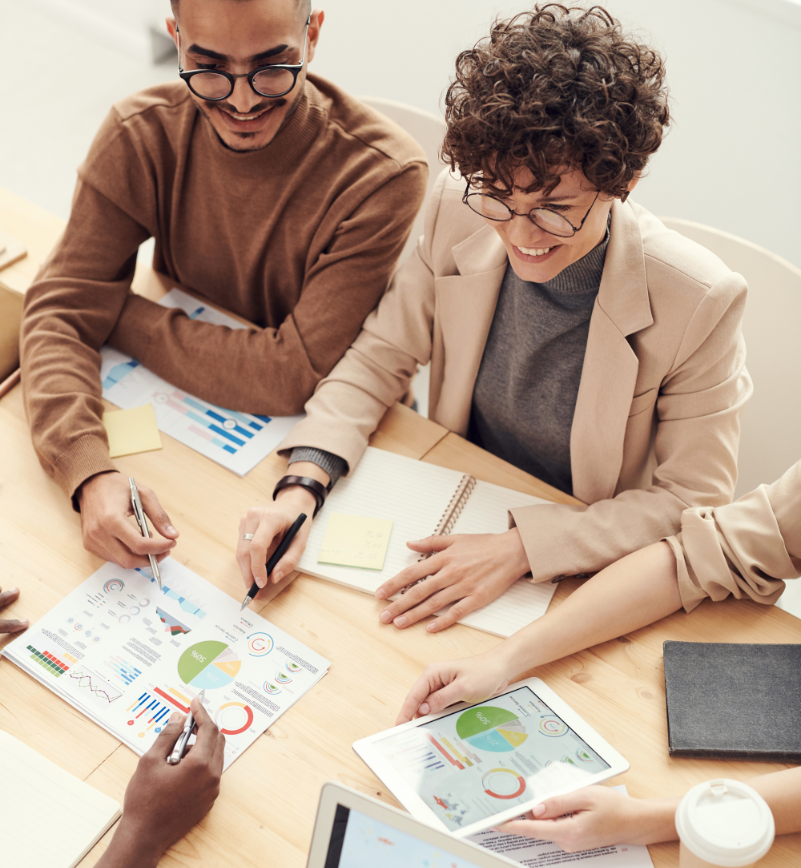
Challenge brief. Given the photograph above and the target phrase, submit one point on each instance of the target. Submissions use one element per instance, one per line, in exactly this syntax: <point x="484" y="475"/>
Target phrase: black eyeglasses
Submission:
<point x="271" y="81"/>
<point x="549" y="221"/>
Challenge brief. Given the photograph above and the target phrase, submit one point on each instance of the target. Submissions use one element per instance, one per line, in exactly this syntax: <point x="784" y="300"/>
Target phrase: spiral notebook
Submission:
<point x="421" y="500"/>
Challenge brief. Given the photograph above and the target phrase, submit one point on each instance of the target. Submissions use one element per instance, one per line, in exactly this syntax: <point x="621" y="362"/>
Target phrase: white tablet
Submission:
<point x="474" y="766"/>
<point x="355" y="831"/>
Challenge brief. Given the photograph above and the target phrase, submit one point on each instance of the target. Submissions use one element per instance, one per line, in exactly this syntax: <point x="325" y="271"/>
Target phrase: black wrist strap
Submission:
<point x="319" y="490"/>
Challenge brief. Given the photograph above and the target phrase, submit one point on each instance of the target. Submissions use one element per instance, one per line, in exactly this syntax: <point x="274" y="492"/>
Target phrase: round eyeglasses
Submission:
<point x="549" y="221"/>
<point x="273" y="81"/>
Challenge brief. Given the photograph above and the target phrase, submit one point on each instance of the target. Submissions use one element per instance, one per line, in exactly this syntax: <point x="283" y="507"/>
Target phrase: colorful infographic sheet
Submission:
<point x="238" y="441"/>
<point x="472" y="764"/>
<point x="127" y="655"/>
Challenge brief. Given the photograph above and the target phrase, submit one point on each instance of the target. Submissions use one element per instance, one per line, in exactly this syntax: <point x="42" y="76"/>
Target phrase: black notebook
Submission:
<point x="733" y="701"/>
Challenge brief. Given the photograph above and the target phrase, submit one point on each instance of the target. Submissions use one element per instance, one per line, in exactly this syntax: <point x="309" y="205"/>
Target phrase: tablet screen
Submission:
<point x="359" y="841"/>
<point x="474" y="763"/>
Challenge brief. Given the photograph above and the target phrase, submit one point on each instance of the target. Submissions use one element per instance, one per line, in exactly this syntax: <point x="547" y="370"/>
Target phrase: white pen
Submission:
<point x="139" y="515"/>
<point x="183" y="739"/>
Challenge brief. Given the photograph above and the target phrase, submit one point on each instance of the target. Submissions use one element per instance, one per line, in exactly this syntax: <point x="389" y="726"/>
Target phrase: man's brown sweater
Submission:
<point x="300" y="238"/>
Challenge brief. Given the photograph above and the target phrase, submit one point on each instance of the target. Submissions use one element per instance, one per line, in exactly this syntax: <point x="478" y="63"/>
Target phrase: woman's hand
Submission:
<point x="466" y="570"/>
<point x="472" y="679"/>
<point x="597" y="817"/>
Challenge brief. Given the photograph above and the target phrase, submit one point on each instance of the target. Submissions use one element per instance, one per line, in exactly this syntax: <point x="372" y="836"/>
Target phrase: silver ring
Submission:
<point x="248" y="536"/>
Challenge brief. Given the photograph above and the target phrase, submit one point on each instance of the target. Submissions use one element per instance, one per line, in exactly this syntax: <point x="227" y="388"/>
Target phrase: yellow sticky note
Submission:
<point x="355" y="541"/>
<point x="132" y="431"/>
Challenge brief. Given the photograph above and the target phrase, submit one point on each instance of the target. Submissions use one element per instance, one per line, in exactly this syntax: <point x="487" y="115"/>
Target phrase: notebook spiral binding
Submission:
<point x="452" y="511"/>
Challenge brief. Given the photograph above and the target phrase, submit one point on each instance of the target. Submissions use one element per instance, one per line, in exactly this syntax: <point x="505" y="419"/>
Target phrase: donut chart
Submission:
<point x="503" y="784"/>
<point x="259" y="644"/>
<point x="552" y="726"/>
<point x="493" y="729"/>
<point x="233" y="718"/>
<point x="208" y="665"/>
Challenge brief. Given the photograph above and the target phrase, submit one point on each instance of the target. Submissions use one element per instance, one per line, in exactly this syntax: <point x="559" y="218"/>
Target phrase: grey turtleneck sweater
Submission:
<point x="527" y="385"/>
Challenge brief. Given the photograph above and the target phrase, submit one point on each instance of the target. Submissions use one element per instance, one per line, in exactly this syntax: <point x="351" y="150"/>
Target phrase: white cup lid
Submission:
<point x="725" y="822"/>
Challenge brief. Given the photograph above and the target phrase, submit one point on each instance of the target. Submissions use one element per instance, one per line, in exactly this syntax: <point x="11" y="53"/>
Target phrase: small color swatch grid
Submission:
<point x="47" y="661"/>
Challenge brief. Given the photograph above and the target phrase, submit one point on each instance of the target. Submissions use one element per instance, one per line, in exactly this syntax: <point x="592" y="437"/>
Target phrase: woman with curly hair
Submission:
<point x="569" y="332"/>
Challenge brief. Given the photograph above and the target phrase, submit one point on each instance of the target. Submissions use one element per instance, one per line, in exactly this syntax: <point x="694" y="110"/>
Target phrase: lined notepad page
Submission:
<point x="48" y="817"/>
<point x="415" y="495"/>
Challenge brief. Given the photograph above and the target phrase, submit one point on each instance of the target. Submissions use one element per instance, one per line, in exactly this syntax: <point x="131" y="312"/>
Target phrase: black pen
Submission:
<point x="275" y="557"/>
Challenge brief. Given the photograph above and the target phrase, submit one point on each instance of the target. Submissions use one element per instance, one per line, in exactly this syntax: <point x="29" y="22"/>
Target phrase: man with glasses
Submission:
<point x="569" y="332"/>
<point x="268" y="191"/>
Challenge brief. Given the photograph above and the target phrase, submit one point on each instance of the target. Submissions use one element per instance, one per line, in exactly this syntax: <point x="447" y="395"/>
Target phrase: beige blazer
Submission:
<point x="745" y="548"/>
<point x="656" y="424"/>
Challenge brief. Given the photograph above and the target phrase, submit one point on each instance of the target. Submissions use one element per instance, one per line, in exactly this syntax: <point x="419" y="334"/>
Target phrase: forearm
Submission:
<point x="782" y="792"/>
<point x="630" y="594"/>
<point x="130" y="848"/>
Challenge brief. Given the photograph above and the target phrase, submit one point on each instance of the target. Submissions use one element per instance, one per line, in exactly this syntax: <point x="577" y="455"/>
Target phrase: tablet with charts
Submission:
<point x="474" y="766"/>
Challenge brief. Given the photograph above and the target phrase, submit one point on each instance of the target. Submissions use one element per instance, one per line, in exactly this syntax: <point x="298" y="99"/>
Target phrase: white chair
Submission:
<point x="770" y="441"/>
<point x="429" y="131"/>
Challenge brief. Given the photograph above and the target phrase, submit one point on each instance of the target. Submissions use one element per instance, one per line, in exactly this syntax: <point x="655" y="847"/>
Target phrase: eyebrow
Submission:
<point x="262" y="55"/>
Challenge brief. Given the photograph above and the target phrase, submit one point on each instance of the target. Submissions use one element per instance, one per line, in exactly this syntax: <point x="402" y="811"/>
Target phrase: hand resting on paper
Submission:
<point x="268" y="524"/>
<point x="597" y="817"/>
<point x="471" y="679"/>
<point x="465" y="570"/>
<point x="105" y="504"/>
<point x="162" y="801"/>
<point x="10" y="625"/>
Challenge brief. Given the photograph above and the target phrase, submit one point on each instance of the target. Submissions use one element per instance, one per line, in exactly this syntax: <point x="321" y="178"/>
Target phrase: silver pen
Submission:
<point x="139" y="515"/>
<point x="183" y="739"/>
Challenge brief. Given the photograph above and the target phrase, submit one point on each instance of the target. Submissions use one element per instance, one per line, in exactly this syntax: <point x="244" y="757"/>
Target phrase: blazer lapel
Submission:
<point x="465" y="307"/>
<point x="609" y="373"/>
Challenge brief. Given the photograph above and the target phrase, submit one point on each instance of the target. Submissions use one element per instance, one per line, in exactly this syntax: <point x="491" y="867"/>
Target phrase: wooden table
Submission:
<point x="265" y="813"/>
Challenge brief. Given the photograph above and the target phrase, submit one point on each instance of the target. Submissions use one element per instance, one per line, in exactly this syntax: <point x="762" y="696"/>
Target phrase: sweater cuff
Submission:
<point x="86" y="457"/>
<point x="333" y="465"/>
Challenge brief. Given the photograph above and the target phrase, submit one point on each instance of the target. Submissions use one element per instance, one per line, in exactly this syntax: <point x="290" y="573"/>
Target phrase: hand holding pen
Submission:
<point x="141" y="520"/>
<point x="275" y="557"/>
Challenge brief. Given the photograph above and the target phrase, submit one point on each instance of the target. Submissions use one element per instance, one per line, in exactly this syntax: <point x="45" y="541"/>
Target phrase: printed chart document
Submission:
<point x="127" y="655"/>
<point x="539" y="854"/>
<point x="422" y="499"/>
<point x="48" y="817"/>
<point x="238" y="441"/>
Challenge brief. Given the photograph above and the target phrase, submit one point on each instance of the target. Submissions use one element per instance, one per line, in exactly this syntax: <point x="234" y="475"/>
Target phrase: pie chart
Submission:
<point x="491" y="729"/>
<point x="208" y="665"/>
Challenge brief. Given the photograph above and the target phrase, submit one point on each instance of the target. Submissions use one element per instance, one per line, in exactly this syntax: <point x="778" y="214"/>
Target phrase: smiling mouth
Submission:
<point x="254" y="116"/>
<point x="535" y="251"/>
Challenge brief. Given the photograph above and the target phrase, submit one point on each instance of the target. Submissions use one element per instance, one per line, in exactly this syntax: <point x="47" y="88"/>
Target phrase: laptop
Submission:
<point x="355" y="831"/>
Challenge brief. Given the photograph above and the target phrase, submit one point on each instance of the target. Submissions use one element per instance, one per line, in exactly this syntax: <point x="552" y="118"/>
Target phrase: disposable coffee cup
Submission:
<point x="723" y="824"/>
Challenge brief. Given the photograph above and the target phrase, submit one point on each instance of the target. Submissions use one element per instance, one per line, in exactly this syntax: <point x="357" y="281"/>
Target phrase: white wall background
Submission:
<point x="731" y="159"/>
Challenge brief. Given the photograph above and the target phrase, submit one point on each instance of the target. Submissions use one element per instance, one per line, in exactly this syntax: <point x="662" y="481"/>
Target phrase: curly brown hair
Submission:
<point x="559" y="87"/>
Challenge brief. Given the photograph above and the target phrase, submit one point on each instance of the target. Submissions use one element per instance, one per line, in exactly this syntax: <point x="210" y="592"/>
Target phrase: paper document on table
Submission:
<point x="127" y="654"/>
<point x="38" y="796"/>
<point x="538" y="854"/>
<point x="355" y="541"/>
<point x="132" y="431"/>
<point x="415" y="496"/>
<point x="238" y="441"/>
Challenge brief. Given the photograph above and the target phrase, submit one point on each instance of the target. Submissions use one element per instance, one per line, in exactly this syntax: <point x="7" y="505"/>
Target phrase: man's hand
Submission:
<point x="8" y="626"/>
<point x="472" y="679"/>
<point x="162" y="801"/>
<point x="105" y="502"/>
<point x="597" y="817"/>
<point x="467" y="570"/>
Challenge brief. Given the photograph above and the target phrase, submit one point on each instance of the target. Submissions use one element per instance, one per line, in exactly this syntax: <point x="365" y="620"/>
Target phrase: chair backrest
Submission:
<point x="429" y="131"/>
<point x="770" y="441"/>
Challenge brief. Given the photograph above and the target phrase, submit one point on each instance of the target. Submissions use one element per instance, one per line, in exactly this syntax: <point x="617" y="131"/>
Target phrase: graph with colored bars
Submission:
<point x="49" y="662"/>
<point x="175" y="697"/>
<point x="124" y="670"/>
<point x="149" y="713"/>
<point x="225" y="429"/>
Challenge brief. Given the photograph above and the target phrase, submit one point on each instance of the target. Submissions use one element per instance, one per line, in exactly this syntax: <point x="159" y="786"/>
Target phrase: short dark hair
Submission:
<point x="304" y="7"/>
<point x="559" y="86"/>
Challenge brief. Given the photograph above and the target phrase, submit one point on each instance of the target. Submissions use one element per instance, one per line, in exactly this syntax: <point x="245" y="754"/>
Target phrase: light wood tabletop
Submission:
<point x="266" y="810"/>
